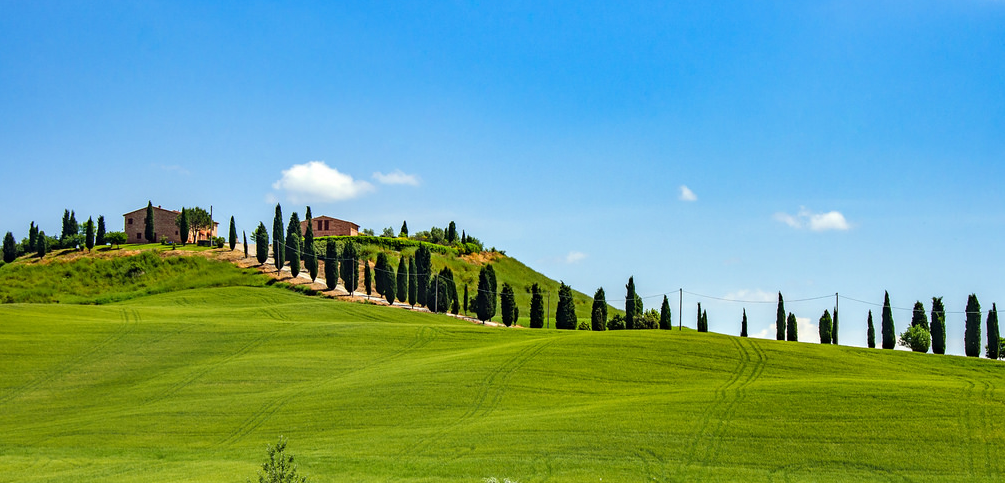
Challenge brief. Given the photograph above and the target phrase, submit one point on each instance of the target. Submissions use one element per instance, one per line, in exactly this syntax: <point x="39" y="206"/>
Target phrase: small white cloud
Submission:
<point x="396" y="177"/>
<point x="751" y="296"/>
<point x="832" y="220"/>
<point x="174" y="168"/>
<point x="574" y="257"/>
<point x="316" y="181"/>
<point x="808" y="332"/>
<point x="270" y="198"/>
<point x="764" y="333"/>
<point x="686" y="194"/>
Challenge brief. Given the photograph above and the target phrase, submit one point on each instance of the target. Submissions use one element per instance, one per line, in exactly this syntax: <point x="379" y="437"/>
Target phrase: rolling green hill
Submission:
<point x="191" y="385"/>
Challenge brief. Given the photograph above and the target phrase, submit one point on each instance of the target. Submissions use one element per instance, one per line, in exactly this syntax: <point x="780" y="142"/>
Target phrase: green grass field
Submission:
<point x="191" y="385"/>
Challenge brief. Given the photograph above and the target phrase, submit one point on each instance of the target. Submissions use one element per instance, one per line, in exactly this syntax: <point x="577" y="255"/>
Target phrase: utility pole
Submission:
<point x="680" y="310"/>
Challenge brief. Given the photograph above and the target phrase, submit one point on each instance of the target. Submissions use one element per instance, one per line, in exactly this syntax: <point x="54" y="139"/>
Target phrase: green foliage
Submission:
<point x="423" y="270"/>
<point x="507" y="303"/>
<point x="617" y="322"/>
<point x="261" y="236"/>
<point x="245" y="244"/>
<point x="182" y="222"/>
<point x="395" y="244"/>
<point x="972" y="334"/>
<point x="993" y="350"/>
<point x="33" y="236"/>
<point x="9" y="248"/>
<point x="331" y="264"/>
<point x="42" y="244"/>
<point x="666" y="320"/>
<point x="938" y="326"/>
<point x="89" y="234"/>
<point x="780" y="319"/>
<point x="198" y="220"/>
<point x="565" y="313"/>
<point x="791" y="328"/>
<point x="232" y="238"/>
<point x="834" y="328"/>
<point x="648" y="320"/>
<point x="349" y="266"/>
<point x="630" y="306"/>
<point x="310" y="250"/>
<point x="451" y="234"/>
<point x="404" y="230"/>
<point x="280" y="466"/>
<point x="888" y="329"/>
<point x="148" y="220"/>
<point x="918" y="316"/>
<point x="413" y="285"/>
<point x="916" y="338"/>
<point x="584" y="325"/>
<point x="367" y="278"/>
<point x="387" y="273"/>
<point x="485" y="300"/>
<point x="115" y="238"/>
<point x="598" y="315"/>
<point x="825" y="327"/>
<point x="401" y="282"/>
<point x="100" y="236"/>
<point x="743" y="324"/>
<point x="870" y="334"/>
<point x="380" y="275"/>
<point x="441" y="291"/>
<point x="278" y="237"/>
<point x="536" y="307"/>
<point x="293" y="240"/>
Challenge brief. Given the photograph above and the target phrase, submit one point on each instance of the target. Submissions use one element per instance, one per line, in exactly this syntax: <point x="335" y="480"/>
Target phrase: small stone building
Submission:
<point x="328" y="226"/>
<point x="164" y="226"/>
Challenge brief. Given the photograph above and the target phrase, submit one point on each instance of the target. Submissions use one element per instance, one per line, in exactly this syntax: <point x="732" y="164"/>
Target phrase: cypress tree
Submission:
<point x="780" y="319"/>
<point x="704" y="320"/>
<point x="630" y="306"/>
<point x="9" y="248"/>
<point x="183" y="225"/>
<point x="825" y="328"/>
<point x="441" y="291"/>
<point x="465" y="299"/>
<point x="331" y="264"/>
<point x="507" y="302"/>
<point x="536" y="307"/>
<point x="73" y="228"/>
<point x="972" y="336"/>
<point x="232" y="239"/>
<point x="89" y="234"/>
<point x="485" y="300"/>
<point x="245" y="244"/>
<point x="278" y="251"/>
<point x="994" y="343"/>
<point x="565" y="314"/>
<point x="293" y="244"/>
<point x="455" y="305"/>
<point x="598" y="314"/>
<point x="413" y="283"/>
<point x="423" y="270"/>
<point x="743" y="324"/>
<point x="33" y="235"/>
<point x="699" y="326"/>
<point x="349" y="267"/>
<point x="918" y="316"/>
<point x="293" y="240"/>
<point x="261" y="236"/>
<point x="310" y="252"/>
<point x="451" y="234"/>
<point x="791" y="328"/>
<point x="367" y="277"/>
<point x="834" y="329"/>
<point x="41" y="245"/>
<point x="380" y="273"/>
<point x="870" y="333"/>
<point x="404" y="230"/>
<point x="665" y="317"/>
<point x="66" y="225"/>
<point x="389" y="285"/>
<point x="401" y="287"/>
<point x="148" y="230"/>
<point x="938" y="326"/>
<point x="100" y="236"/>
<point x="889" y="331"/>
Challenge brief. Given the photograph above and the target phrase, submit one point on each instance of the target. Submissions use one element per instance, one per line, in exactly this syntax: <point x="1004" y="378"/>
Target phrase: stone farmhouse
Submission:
<point x="164" y="226"/>
<point x="328" y="226"/>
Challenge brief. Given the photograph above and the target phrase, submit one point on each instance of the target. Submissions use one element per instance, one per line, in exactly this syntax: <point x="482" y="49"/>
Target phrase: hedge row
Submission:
<point x="396" y="244"/>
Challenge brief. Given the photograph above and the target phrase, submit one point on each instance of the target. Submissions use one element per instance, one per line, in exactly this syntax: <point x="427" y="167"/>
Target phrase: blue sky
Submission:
<point x="850" y="147"/>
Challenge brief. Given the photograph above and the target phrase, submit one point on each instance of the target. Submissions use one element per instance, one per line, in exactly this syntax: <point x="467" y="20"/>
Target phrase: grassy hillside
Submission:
<point x="191" y="385"/>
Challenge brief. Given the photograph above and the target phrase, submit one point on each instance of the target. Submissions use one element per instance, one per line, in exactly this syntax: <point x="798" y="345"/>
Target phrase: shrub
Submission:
<point x="584" y="325"/>
<point x="916" y="338"/>
<point x="616" y="323"/>
<point x="279" y="467"/>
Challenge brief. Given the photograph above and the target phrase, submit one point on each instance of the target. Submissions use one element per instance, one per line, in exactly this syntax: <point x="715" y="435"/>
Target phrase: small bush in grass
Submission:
<point x="279" y="468"/>
<point x="916" y="338"/>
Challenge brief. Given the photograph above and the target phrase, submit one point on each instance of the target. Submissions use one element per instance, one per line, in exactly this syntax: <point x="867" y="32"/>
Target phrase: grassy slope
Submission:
<point x="190" y="386"/>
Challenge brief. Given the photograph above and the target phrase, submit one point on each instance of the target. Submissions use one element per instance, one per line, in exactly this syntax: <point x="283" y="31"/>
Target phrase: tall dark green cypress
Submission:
<point x="9" y="248"/>
<point x="451" y="234"/>
<point x="89" y="234"/>
<point x="938" y="326"/>
<point x="401" y="287"/>
<point x="278" y="238"/>
<point x="232" y="239"/>
<point x="389" y="283"/>
<point x="665" y="317"/>
<point x="349" y="267"/>
<point x="148" y="220"/>
<point x="630" y="315"/>
<point x="699" y="326"/>
<point x="66" y="224"/>
<point x="918" y="316"/>
<point x="704" y="320"/>
<point x="245" y="244"/>
<point x="870" y="333"/>
<point x="565" y="313"/>
<point x="380" y="273"/>
<point x="780" y="319"/>
<point x="972" y="335"/>
<point x="507" y="302"/>
<point x="310" y="251"/>
<point x="183" y="225"/>
<point x="261" y="244"/>
<point x="331" y="263"/>
<point x="824" y="327"/>
<point x="994" y="343"/>
<point x="99" y="238"/>
<point x="423" y="270"/>
<point x="791" y="328"/>
<point x="536" y="307"/>
<point x="33" y="235"/>
<point x="743" y="324"/>
<point x="485" y="300"/>
<point x="41" y="245"/>
<point x="404" y="230"/>
<point x="293" y="244"/>
<point x="465" y="299"/>
<point x="413" y="283"/>
<point x="598" y="314"/>
<point x="293" y="240"/>
<point x="834" y="328"/>
<point x="441" y="291"/>
<point x="367" y="278"/>
<point x="889" y="331"/>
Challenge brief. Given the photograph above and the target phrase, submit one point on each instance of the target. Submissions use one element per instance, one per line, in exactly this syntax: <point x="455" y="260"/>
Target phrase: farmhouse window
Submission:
<point x="326" y="225"/>
<point x="320" y="224"/>
<point x="138" y="236"/>
<point x="130" y="221"/>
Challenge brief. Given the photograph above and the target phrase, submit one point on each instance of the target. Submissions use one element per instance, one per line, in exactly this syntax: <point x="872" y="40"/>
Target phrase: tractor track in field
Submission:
<point x="489" y="395"/>
<point x="130" y="319"/>
<point x="804" y="470"/>
<point x="974" y="424"/>
<point x="707" y="440"/>
<point x="423" y="337"/>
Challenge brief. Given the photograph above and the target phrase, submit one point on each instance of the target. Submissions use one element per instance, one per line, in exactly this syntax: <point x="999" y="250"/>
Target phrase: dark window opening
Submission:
<point x="129" y="221"/>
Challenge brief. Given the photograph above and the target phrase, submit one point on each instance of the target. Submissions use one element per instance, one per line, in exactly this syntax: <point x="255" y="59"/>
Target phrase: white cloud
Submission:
<point x="751" y="295"/>
<point x="316" y="181"/>
<point x="807" y="331"/>
<point x="764" y="333"/>
<point x="686" y="194"/>
<point x="174" y="168"/>
<point x="832" y="220"/>
<point x="574" y="257"/>
<point x="396" y="177"/>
